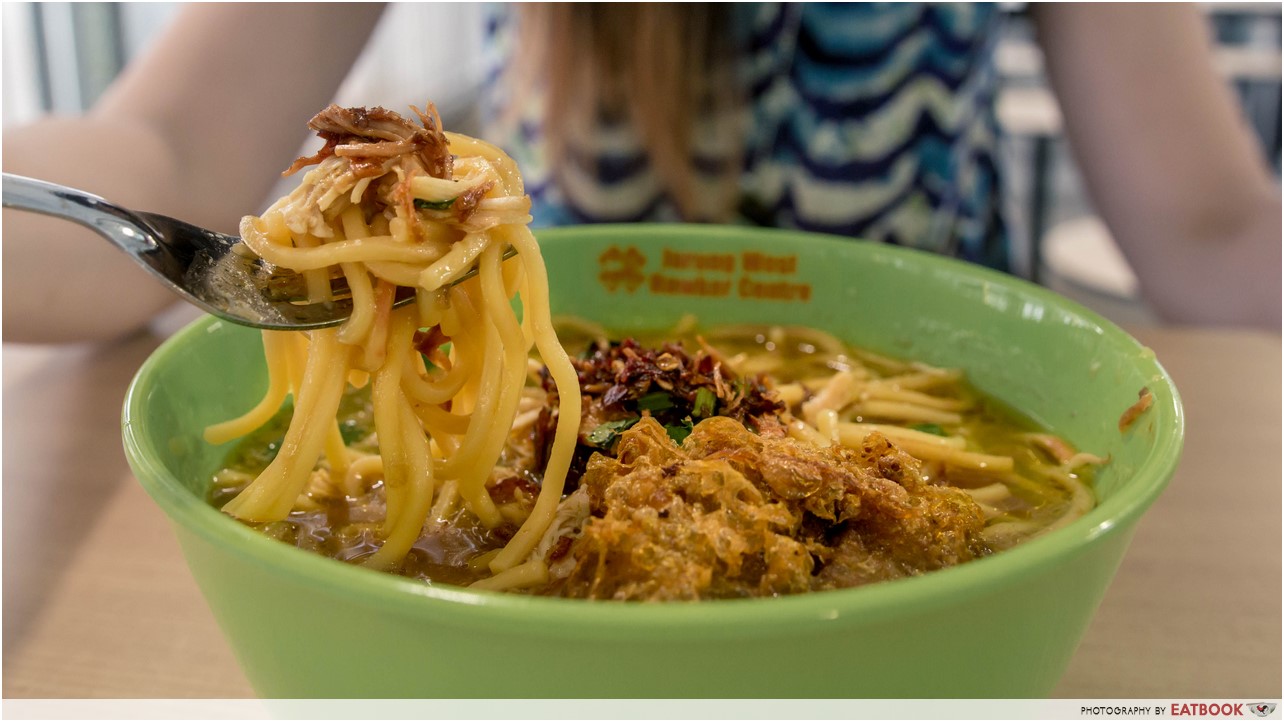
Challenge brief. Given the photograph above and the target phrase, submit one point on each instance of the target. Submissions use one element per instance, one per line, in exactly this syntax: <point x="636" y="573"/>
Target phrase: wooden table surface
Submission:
<point x="98" y="601"/>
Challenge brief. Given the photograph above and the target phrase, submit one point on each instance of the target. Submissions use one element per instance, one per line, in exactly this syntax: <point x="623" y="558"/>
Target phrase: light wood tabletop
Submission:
<point x="98" y="601"/>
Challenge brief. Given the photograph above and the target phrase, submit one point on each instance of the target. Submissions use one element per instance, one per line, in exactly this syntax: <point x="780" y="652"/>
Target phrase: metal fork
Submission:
<point x="196" y="263"/>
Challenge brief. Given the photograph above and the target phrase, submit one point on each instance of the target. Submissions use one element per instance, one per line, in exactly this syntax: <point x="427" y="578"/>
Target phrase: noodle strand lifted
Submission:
<point x="388" y="204"/>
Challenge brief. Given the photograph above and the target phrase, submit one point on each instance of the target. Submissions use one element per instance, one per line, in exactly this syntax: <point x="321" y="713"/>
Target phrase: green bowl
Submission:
<point x="1004" y="626"/>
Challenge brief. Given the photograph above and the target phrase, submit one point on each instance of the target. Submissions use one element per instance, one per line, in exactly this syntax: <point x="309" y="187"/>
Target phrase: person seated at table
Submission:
<point x="872" y="121"/>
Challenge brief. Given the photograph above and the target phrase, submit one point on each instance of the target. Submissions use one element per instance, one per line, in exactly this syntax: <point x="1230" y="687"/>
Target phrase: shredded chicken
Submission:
<point x="370" y="137"/>
<point x="371" y="146"/>
<point x="1134" y="412"/>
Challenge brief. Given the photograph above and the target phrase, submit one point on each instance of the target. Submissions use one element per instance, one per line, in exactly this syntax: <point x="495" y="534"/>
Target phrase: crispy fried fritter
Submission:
<point x="732" y="513"/>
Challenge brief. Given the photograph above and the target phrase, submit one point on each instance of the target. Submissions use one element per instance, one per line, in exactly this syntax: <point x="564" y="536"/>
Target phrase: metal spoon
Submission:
<point x="195" y="263"/>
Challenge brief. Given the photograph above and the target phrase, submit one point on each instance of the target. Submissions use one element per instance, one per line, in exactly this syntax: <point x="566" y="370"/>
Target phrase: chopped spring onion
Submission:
<point x="679" y="432"/>
<point x="930" y="429"/>
<point x="655" y="401"/>
<point x="445" y="205"/>
<point x="705" y="404"/>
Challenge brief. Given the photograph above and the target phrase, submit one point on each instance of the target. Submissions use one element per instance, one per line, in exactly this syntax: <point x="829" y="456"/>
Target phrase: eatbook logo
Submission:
<point x="1262" y="709"/>
<point x="621" y="269"/>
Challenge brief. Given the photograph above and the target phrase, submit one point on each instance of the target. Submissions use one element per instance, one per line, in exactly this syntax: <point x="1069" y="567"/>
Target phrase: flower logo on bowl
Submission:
<point x="621" y="269"/>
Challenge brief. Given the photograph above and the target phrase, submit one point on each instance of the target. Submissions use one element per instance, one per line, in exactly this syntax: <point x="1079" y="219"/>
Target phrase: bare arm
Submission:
<point x="199" y="128"/>
<point x="1169" y="163"/>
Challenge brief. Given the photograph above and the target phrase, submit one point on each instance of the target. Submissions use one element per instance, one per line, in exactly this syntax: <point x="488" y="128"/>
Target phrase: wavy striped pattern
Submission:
<point x="869" y="120"/>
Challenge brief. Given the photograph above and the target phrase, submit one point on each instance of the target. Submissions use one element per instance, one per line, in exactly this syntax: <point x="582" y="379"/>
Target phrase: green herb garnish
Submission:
<point x="706" y="403"/>
<point x="930" y="429"/>
<point x="604" y="435"/>
<point x="679" y="432"/>
<point x="427" y="205"/>
<point x="655" y="401"/>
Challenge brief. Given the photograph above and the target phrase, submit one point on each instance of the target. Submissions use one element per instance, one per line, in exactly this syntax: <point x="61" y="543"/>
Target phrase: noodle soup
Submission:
<point x="979" y="471"/>
<point x="438" y="434"/>
<point x="916" y="637"/>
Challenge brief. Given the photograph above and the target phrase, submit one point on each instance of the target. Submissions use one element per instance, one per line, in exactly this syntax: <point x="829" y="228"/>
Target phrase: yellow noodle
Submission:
<point x="686" y="325"/>
<point x="525" y="419"/>
<point x="827" y="426"/>
<point x="363" y="470"/>
<point x="271" y="496"/>
<point x="803" y="431"/>
<point x="440" y="420"/>
<point x="791" y="394"/>
<point x="853" y="435"/>
<point x="358" y="378"/>
<point x="903" y="435"/>
<point x="486" y="398"/>
<point x="883" y="364"/>
<point x="442" y="386"/>
<point x="336" y="453"/>
<point x="514" y="353"/>
<point x="394" y="272"/>
<point x="901" y="411"/>
<point x="317" y="280"/>
<point x="483" y="560"/>
<point x="296" y="360"/>
<point x="1005" y="533"/>
<point x="445" y="504"/>
<point x="990" y="494"/>
<point x="457" y="261"/>
<point x="377" y="249"/>
<point x="530" y="574"/>
<point x="357" y="327"/>
<point x="885" y="393"/>
<point x="504" y="167"/>
<point x="760" y="364"/>
<point x="417" y="497"/>
<point x="568" y="406"/>
<point x="274" y="349"/>
<point x="836" y="394"/>
<point x="322" y="228"/>
<point x="920" y="380"/>
<point x="385" y="396"/>
<point x="1081" y="497"/>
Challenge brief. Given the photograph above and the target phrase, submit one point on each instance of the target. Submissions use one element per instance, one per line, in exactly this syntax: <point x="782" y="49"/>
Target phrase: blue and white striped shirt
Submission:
<point x="874" y="121"/>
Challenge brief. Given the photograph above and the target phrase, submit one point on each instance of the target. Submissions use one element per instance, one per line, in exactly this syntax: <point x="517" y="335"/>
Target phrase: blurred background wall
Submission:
<point x="58" y="57"/>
